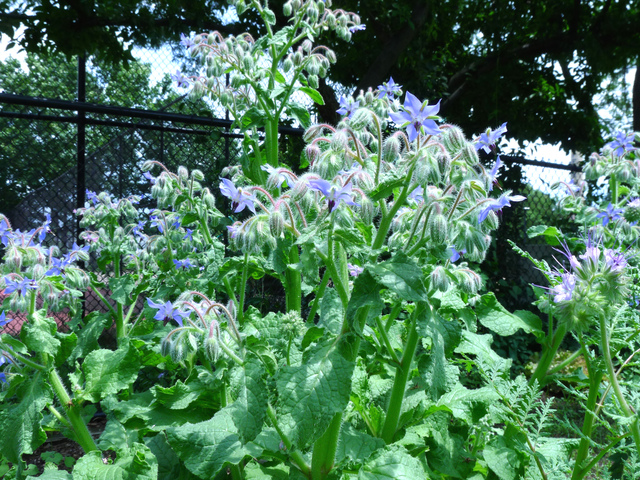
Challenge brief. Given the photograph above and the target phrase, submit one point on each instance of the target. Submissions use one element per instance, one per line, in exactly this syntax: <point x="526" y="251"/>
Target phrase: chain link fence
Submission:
<point x="53" y="148"/>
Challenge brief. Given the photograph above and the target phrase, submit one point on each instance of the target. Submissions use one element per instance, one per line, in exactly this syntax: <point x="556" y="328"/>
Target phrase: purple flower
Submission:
<point x="354" y="270"/>
<point x="417" y="195"/>
<point x="166" y="312"/>
<point x="239" y="198"/>
<point x="4" y="320"/>
<point x="332" y="193"/>
<point x="347" y="106"/>
<point x="92" y="197"/>
<point x="137" y="230"/>
<point x="187" y="42"/>
<point x="44" y="229"/>
<point x="58" y="265"/>
<point x="234" y="229"/>
<point x="417" y="116"/>
<point x="615" y="260"/>
<point x="389" y="89"/>
<point x="156" y="222"/>
<point x="498" y="204"/>
<point x="563" y="292"/>
<point x="21" y="286"/>
<point x="610" y="213"/>
<point x="357" y="28"/>
<point x="489" y="138"/>
<point x="454" y="254"/>
<point x="493" y="174"/>
<point x="180" y="79"/>
<point x="5" y="232"/>
<point x="623" y="143"/>
<point x="186" y="263"/>
<point x="150" y="177"/>
<point x="188" y="235"/>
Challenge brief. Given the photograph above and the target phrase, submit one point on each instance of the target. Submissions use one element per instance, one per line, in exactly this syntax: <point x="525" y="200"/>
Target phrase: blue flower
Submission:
<point x="239" y="198"/>
<point x="58" y="265"/>
<point x="4" y="320"/>
<point x="417" y="117"/>
<point x="21" y="286"/>
<point x="187" y="42"/>
<point x="188" y="235"/>
<point x="5" y="232"/>
<point x="186" y="263"/>
<point x="156" y="222"/>
<point x="417" y="195"/>
<point x="149" y="177"/>
<point x="610" y="213"/>
<point x="347" y="106"/>
<point x="493" y="174"/>
<point x="92" y="197"/>
<point x="454" y="254"/>
<point x="498" y="204"/>
<point x="137" y="230"/>
<point x="166" y="312"/>
<point x="357" y="28"/>
<point x="354" y="270"/>
<point x="489" y="138"/>
<point x="332" y="193"/>
<point x="180" y="79"/>
<point x="623" y="143"/>
<point x="276" y="173"/>
<point x="389" y="89"/>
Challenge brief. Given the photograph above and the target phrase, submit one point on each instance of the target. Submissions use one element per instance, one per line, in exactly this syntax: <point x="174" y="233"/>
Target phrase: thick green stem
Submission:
<point x="319" y="295"/>
<point x="243" y="288"/>
<point x="83" y="437"/>
<point x="615" y="385"/>
<point x="295" y="455"/>
<point x="402" y="375"/>
<point x="271" y="141"/>
<point x="548" y="355"/>
<point x="595" y="377"/>
<point x="120" y="330"/>
<point x="613" y="189"/>
<point x="293" y="278"/>
<point x="324" y="450"/>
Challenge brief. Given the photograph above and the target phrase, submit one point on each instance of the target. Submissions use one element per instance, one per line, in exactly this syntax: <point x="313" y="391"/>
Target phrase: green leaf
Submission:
<point x="496" y="318"/>
<point x="51" y="472"/>
<point x="250" y="406"/>
<point x="88" y="336"/>
<point x="310" y="395"/>
<point x="402" y="276"/>
<point x="169" y="465"/>
<point x="116" y="437"/>
<point x="137" y="463"/>
<point x="206" y="447"/>
<point x="331" y="311"/>
<point x="300" y="113"/>
<point x="505" y="462"/>
<point x="356" y="446"/>
<point x="179" y="395"/>
<point x="392" y="463"/>
<point x="20" y="424"/>
<point x="365" y="294"/>
<point x="480" y="345"/>
<point x="107" y="372"/>
<point x="255" y="471"/>
<point x="386" y="188"/>
<point x="121" y="288"/>
<point x="313" y="94"/>
<point x="40" y="334"/>
<point x="551" y="234"/>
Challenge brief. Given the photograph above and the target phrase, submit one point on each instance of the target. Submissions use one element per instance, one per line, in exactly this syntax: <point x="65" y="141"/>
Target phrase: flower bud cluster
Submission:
<point x="588" y="286"/>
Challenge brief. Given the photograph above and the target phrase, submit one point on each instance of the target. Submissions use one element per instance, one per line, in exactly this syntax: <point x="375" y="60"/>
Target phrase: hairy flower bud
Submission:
<point x="287" y="64"/>
<point x="197" y="175"/>
<point x="297" y="58"/>
<point x="470" y="155"/>
<point x="287" y="9"/>
<point x="439" y="279"/>
<point x="276" y="224"/>
<point x="313" y="81"/>
<point x="312" y="152"/>
<point x="438" y="229"/>
<point x="453" y="139"/>
<point x="468" y="280"/>
<point x="183" y="173"/>
<point x="391" y="148"/>
<point x="340" y="141"/>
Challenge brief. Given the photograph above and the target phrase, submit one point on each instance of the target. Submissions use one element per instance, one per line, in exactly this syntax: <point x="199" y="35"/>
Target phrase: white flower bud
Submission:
<point x="439" y="279"/>
<point x="276" y="224"/>
<point x="286" y="9"/>
<point x="438" y="228"/>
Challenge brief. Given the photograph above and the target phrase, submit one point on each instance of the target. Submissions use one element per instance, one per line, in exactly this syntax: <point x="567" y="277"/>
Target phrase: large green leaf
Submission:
<point x="505" y="462"/>
<point x="313" y="94"/>
<point x="107" y="372"/>
<point x="206" y="447"/>
<point x="496" y="318"/>
<point x="392" y="463"/>
<point x="40" y="334"/>
<point x="356" y="446"/>
<point x="169" y="465"/>
<point x="310" y="395"/>
<point x="88" y="336"/>
<point x="20" y="424"/>
<point x="121" y="288"/>
<point x="480" y="346"/>
<point x="402" y="276"/>
<point x="250" y="391"/>
<point x="365" y="294"/>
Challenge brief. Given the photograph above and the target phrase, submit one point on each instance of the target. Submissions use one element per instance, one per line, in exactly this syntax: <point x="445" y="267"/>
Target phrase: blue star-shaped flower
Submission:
<point x="417" y="117"/>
